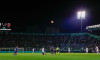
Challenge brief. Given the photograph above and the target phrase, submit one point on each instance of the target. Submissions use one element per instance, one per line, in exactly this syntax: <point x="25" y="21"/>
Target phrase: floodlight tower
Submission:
<point x="81" y="16"/>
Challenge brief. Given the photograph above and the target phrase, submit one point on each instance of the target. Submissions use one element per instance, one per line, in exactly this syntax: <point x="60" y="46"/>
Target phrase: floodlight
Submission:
<point x="81" y="14"/>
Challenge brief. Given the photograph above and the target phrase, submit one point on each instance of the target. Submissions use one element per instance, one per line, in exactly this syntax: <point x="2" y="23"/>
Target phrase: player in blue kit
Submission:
<point x="52" y="50"/>
<point x="16" y="51"/>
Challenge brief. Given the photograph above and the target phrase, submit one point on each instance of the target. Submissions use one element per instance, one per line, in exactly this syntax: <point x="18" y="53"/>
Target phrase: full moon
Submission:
<point x="52" y="21"/>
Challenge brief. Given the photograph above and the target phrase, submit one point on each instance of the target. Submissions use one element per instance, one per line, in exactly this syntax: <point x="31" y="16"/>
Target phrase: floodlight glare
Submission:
<point x="81" y="14"/>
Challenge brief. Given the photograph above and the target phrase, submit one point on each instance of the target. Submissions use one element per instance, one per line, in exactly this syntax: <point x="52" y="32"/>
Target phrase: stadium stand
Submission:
<point x="76" y="41"/>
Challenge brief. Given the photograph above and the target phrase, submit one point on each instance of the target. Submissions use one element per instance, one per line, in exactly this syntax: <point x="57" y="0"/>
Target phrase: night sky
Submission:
<point x="36" y="16"/>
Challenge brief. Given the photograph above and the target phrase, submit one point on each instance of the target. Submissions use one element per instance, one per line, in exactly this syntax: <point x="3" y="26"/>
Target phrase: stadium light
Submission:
<point x="81" y="15"/>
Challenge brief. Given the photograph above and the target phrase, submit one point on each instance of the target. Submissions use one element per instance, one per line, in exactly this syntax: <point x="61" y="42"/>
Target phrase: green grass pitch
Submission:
<point x="48" y="56"/>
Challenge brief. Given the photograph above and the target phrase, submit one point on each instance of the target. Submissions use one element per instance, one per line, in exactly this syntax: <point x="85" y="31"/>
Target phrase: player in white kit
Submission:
<point x="97" y="50"/>
<point x="69" y="50"/>
<point x="33" y="50"/>
<point x="86" y="50"/>
<point x="43" y="51"/>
